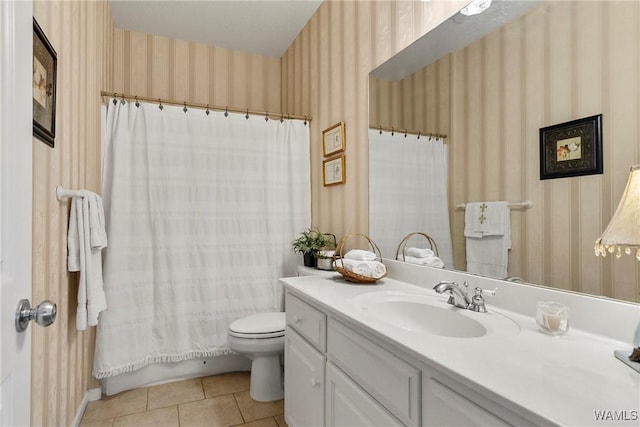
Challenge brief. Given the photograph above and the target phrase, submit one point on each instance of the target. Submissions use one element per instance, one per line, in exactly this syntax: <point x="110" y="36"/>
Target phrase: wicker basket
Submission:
<point x="350" y="275"/>
<point x="403" y="243"/>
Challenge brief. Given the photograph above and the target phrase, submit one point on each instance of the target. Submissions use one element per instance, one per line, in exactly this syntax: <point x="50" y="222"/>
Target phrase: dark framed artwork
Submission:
<point x="572" y="148"/>
<point x="45" y="65"/>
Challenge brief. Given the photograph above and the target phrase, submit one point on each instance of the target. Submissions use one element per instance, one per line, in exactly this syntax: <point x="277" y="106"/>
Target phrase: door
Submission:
<point x="16" y="46"/>
<point x="303" y="382"/>
<point x="349" y="406"/>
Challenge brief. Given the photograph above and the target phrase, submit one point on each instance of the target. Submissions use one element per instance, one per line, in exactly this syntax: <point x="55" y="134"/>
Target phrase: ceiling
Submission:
<point x="453" y="34"/>
<point x="263" y="27"/>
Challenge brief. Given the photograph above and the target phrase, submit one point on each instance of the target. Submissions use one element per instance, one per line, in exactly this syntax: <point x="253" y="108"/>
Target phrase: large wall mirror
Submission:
<point x="490" y="89"/>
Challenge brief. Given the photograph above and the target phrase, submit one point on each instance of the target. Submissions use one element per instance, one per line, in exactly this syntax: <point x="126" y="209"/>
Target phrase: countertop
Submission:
<point x="563" y="379"/>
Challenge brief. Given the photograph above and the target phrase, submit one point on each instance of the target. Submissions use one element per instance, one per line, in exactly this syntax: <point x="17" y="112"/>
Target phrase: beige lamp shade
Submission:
<point x="623" y="232"/>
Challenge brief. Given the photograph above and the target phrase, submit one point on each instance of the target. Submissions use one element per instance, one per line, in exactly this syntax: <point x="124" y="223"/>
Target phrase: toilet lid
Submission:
<point x="262" y="325"/>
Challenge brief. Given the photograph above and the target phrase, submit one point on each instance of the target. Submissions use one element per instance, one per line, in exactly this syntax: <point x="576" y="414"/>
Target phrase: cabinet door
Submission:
<point x="303" y="382"/>
<point x="446" y="407"/>
<point x="350" y="406"/>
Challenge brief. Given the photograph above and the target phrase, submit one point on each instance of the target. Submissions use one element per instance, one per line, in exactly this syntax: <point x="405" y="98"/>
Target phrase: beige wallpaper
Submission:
<point x="155" y="66"/>
<point x="562" y="61"/>
<point x="325" y="73"/>
<point x="62" y="357"/>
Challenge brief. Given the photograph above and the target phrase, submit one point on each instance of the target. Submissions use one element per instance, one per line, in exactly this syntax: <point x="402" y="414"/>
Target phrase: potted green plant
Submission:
<point x="308" y="244"/>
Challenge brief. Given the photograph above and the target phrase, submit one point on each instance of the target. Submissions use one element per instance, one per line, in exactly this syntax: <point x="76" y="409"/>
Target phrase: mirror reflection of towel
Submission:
<point x="488" y="238"/>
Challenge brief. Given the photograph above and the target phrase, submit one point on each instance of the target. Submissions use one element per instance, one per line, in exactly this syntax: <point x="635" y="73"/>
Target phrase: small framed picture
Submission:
<point x="572" y="148"/>
<point x="333" y="171"/>
<point x="45" y="65"/>
<point x="333" y="140"/>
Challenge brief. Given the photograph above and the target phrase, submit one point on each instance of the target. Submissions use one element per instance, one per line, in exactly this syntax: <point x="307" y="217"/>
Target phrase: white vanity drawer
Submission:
<point x="307" y="320"/>
<point x="390" y="380"/>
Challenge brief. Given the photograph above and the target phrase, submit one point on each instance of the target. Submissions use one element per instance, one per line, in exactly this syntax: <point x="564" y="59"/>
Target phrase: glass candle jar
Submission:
<point x="552" y="317"/>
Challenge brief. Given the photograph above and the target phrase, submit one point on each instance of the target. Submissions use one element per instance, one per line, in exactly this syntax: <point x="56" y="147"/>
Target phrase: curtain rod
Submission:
<point x="409" y="132"/>
<point x="274" y="116"/>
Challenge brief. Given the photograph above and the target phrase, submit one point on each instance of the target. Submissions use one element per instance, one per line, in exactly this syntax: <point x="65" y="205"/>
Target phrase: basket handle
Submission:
<point x="340" y="247"/>
<point x="335" y="243"/>
<point x="403" y="243"/>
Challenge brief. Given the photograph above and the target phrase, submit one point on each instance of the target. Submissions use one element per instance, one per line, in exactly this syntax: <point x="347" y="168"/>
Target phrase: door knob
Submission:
<point x="44" y="314"/>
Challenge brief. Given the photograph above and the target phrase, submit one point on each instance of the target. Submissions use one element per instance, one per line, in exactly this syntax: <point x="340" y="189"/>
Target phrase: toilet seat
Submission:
<point x="262" y="325"/>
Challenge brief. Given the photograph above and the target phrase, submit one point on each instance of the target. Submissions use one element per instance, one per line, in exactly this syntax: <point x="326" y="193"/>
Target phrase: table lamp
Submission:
<point x="623" y="235"/>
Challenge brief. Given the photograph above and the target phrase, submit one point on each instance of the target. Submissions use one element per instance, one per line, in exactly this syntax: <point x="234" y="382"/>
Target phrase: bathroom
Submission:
<point x="325" y="74"/>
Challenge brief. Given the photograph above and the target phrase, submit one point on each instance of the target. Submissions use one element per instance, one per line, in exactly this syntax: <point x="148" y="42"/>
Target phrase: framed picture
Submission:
<point x="333" y="171"/>
<point x="571" y="149"/>
<point x="333" y="140"/>
<point x="44" y="87"/>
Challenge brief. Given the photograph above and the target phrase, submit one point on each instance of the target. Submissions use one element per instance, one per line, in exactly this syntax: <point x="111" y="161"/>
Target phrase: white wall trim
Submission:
<point x="91" y="395"/>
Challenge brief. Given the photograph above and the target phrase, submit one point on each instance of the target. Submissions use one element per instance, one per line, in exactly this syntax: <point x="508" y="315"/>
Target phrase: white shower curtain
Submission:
<point x="408" y="192"/>
<point x="200" y="213"/>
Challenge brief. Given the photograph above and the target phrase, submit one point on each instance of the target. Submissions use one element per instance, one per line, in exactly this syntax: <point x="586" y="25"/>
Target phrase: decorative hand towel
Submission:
<point x="432" y="261"/>
<point x="418" y="252"/>
<point x="360" y="255"/>
<point x="491" y="221"/>
<point x="85" y="258"/>
<point x="487" y="254"/>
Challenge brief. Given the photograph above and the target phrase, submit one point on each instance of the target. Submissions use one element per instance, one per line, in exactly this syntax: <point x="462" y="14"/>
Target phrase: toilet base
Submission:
<point x="266" y="379"/>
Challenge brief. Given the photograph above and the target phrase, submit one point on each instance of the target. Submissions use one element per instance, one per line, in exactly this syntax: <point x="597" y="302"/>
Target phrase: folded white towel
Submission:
<point x="433" y="261"/>
<point x="418" y="252"/>
<point x="360" y="255"/>
<point x="326" y="254"/>
<point x="486" y="219"/>
<point x="86" y="259"/>
<point x="96" y="222"/>
<point x="373" y="269"/>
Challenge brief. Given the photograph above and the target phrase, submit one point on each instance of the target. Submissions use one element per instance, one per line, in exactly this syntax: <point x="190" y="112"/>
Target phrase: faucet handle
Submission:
<point x="480" y="291"/>
<point x="477" y="301"/>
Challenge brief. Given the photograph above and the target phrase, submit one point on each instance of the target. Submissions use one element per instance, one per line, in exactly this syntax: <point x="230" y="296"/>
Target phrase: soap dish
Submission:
<point x="624" y="357"/>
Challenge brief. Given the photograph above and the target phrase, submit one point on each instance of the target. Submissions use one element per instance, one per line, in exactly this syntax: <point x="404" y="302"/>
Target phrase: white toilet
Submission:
<point x="260" y="337"/>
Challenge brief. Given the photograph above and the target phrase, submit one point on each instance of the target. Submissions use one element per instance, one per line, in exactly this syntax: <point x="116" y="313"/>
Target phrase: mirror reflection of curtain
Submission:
<point x="408" y="192"/>
<point x="200" y="212"/>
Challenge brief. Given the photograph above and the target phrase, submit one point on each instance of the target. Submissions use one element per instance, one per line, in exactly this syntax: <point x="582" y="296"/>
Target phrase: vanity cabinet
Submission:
<point x="337" y="374"/>
<point x="304" y="378"/>
<point x="348" y="405"/>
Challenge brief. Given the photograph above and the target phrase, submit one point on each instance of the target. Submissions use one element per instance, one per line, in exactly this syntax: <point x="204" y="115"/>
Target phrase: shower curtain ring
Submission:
<point x="418" y="134"/>
<point x="123" y="101"/>
<point x="405" y="133"/>
<point x="115" y="96"/>
<point x="137" y="103"/>
<point x="247" y="115"/>
<point x="185" y="107"/>
<point x="380" y="129"/>
<point x="207" y="112"/>
<point x="226" y="111"/>
<point x="160" y="106"/>
<point x="305" y="120"/>
<point x="266" y="116"/>
<point x="392" y="132"/>
<point x="281" y="117"/>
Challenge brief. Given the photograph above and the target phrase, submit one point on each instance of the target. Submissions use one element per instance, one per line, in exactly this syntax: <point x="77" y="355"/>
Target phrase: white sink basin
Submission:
<point x="427" y="314"/>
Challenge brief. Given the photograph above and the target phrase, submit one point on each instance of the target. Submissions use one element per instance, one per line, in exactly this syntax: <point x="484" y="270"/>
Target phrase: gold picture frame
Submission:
<point x="333" y="140"/>
<point x="334" y="171"/>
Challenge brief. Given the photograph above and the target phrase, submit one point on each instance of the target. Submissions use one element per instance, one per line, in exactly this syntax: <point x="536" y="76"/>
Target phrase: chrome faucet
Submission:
<point x="457" y="296"/>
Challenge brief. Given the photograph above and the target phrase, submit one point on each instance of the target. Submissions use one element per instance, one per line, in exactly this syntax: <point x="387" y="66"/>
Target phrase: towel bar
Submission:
<point x="62" y="193"/>
<point x="527" y="204"/>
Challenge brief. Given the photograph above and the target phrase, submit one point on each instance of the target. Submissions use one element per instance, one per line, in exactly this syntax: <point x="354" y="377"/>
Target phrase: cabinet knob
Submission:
<point x="315" y="383"/>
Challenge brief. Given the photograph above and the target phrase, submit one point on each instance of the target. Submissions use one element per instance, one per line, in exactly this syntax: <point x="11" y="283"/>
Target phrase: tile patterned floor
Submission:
<point x="216" y="401"/>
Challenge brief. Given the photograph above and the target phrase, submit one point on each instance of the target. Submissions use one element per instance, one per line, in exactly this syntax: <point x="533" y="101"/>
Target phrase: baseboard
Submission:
<point x="91" y="395"/>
